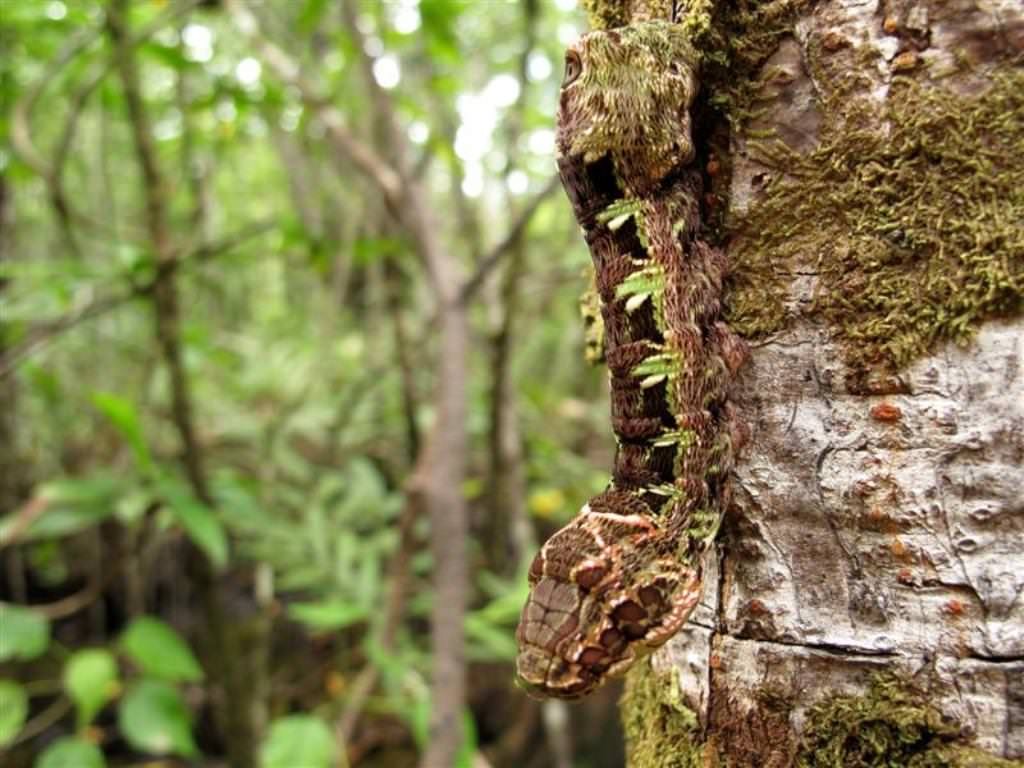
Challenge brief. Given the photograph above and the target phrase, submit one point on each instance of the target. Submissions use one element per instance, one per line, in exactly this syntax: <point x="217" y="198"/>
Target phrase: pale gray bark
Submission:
<point x="859" y="543"/>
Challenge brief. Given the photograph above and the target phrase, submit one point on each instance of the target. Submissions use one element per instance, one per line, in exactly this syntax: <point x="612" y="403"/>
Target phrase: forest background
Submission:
<point x="259" y="264"/>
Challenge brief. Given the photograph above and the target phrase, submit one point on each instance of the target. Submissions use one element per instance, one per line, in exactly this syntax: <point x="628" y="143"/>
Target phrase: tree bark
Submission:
<point x="872" y="567"/>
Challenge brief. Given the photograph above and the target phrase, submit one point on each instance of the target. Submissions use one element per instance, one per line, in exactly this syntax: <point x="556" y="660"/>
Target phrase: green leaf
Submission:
<point x="636" y="301"/>
<point x="72" y="505"/>
<point x="309" y="17"/>
<point x="71" y="753"/>
<point x="199" y="521"/>
<point x="468" y="751"/>
<point x="298" y="740"/>
<point x="24" y="634"/>
<point x="91" y="680"/>
<point x="440" y="20"/>
<point x="328" y="614"/>
<point x="170" y="55"/>
<point x="617" y="222"/>
<point x="159" y="651"/>
<point x="153" y="718"/>
<point x="123" y="415"/>
<point x="619" y="212"/>
<point x="13" y="709"/>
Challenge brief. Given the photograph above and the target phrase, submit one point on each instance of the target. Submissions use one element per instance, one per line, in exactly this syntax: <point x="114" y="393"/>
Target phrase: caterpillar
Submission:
<point x="623" y="576"/>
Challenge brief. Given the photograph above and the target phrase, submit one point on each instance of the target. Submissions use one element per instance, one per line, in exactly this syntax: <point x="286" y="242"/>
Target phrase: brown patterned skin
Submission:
<point x="623" y="576"/>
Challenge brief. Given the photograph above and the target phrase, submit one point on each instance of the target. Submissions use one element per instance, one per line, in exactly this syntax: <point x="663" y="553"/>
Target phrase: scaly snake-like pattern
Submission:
<point x="623" y="576"/>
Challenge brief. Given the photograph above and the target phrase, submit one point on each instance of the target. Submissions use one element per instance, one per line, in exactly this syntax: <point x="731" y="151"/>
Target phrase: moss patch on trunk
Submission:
<point x="890" y="725"/>
<point x="912" y="223"/>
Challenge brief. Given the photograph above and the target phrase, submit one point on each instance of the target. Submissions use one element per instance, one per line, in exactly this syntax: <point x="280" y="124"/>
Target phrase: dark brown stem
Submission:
<point x="506" y="482"/>
<point x="398" y="578"/>
<point x="405" y="363"/>
<point x="42" y="722"/>
<point x="15" y="479"/>
<point x="223" y="666"/>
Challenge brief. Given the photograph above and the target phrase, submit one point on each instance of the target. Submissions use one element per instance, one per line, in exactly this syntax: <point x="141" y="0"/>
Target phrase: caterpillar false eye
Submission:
<point x="573" y="68"/>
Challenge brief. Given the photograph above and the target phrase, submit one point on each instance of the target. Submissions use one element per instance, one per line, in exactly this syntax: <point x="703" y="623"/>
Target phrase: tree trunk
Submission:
<point x="864" y="603"/>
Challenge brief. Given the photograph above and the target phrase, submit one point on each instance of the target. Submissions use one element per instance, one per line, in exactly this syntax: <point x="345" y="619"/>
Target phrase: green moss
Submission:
<point x="609" y="14"/>
<point x="890" y="725"/>
<point x="661" y="732"/>
<point x="914" y="229"/>
<point x="735" y="38"/>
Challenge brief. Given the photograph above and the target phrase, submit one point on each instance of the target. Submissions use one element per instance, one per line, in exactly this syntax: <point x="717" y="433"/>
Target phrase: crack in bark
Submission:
<point x="845" y="650"/>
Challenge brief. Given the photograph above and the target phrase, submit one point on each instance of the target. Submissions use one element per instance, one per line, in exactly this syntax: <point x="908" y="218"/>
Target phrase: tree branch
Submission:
<point x="394" y="608"/>
<point x="22" y="520"/>
<point x="21" y="117"/>
<point x="42" y="333"/>
<point x="491" y="260"/>
<point x="21" y="129"/>
<point x="224" y="666"/>
<point x="358" y="153"/>
<point x="441" y="466"/>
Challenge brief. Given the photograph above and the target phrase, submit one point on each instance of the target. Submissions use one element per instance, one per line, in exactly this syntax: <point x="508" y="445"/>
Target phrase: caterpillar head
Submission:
<point x="602" y="592"/>
<point x="627" y="93"/>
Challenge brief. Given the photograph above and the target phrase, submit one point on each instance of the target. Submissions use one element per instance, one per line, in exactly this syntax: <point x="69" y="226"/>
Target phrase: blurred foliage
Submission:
<point x="292" y="284"/>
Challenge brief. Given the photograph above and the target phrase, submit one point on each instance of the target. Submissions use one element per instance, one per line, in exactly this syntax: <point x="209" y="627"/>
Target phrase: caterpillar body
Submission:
<point x="623" y="576"/>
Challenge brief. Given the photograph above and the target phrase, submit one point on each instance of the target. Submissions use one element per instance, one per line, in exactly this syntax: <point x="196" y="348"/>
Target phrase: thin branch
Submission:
<point x="22" y="520"/>
<point x="39" y="335"/>
<point x="21" y="131"/>
<point x="43" y="722"/>
<point x="359" y="154"/>
<point x="415" y="212"/>
<point x="232" y="240"/>
<point x="394" y="608"/>
<point x="441" y="466"/>
<point x="72" y="604"/>
<point x="491" y="260"/>
<point x="192" y="168"/>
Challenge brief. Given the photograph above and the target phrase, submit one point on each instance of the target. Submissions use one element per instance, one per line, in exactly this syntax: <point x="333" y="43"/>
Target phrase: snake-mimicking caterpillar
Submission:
<point x="623" y="576"/>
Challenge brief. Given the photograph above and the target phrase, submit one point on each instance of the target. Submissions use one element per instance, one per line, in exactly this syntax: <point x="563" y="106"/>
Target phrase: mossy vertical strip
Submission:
<point x="661" y="732"/>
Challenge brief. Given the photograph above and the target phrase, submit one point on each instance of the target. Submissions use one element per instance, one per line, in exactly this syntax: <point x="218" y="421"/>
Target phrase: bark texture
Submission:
<point x="872" y="569"/>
